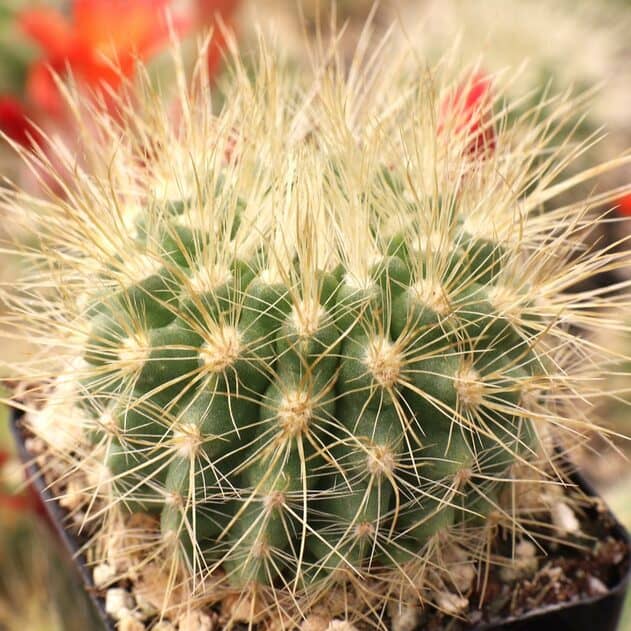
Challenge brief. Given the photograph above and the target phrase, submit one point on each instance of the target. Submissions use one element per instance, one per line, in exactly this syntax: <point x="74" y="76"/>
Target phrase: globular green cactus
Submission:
<point x="314" y="336"/>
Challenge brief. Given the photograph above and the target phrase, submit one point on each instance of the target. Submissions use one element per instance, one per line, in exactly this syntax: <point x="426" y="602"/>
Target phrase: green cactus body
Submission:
<point x="353" y="418"/>
<point x="315" y="362"/>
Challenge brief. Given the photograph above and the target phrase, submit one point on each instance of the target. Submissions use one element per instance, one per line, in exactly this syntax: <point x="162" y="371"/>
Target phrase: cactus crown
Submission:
<point x="316" y="336"/>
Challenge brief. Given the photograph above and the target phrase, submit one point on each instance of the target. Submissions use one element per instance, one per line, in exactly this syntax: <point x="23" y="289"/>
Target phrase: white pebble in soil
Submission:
<point x="195" y="621"/>
<point x="404" y="617"/>
<point x="462" y="577"/>
<point x="341" y="625"/>
<point x="119" y="603"/>
<point x="564" y="519"/>
<point x="596" y="587"/>
<point x="524" y="564"/>
<point x="314" y="623"/>
<point x="146" y="609"/>
<point x="451" y="604"/>
<point x="129" y="623"/>
<point x="103" y="574"/>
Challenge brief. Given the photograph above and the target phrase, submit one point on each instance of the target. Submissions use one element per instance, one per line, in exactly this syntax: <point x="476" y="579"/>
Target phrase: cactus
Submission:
<point x="313" y="339"/>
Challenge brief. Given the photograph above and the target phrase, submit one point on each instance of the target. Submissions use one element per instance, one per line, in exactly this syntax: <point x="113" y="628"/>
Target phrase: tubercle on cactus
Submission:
<point x="318" y="363"/>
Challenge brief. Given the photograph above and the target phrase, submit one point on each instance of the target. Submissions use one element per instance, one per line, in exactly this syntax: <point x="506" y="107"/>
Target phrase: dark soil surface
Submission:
<point x="568" y="573"/>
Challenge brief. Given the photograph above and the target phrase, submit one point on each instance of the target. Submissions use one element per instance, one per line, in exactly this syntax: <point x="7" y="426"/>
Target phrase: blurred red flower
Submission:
<point x="25" y="501"/>
<point x="15" y="123"/>
<point x="624" y="206"/>
<point x="467" y="111"/>
<point x="99" y="45"/>
<point x="218" y="14"/>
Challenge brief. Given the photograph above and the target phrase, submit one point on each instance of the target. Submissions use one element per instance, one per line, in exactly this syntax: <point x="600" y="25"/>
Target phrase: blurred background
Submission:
<point x="573" y="46"/>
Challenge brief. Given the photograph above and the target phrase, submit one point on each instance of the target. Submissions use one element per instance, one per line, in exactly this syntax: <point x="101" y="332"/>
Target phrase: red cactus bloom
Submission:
<point x="15" y="123"/>
<point x="208" y="9"/>
<point x="13" y="120"/>
<point x="624" y="206"/>
<point x="220" y="15"/>
<point x="99" y="45"/>
<point x="467" y="112"/>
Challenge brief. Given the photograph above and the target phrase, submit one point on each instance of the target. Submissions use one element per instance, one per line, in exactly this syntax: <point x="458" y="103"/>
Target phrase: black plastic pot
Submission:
<point x="57" y="516"/>
<point x="600" y="613"/>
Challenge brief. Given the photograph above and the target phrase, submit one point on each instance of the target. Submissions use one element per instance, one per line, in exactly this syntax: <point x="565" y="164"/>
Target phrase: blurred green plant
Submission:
<point x="38" y="589"/>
